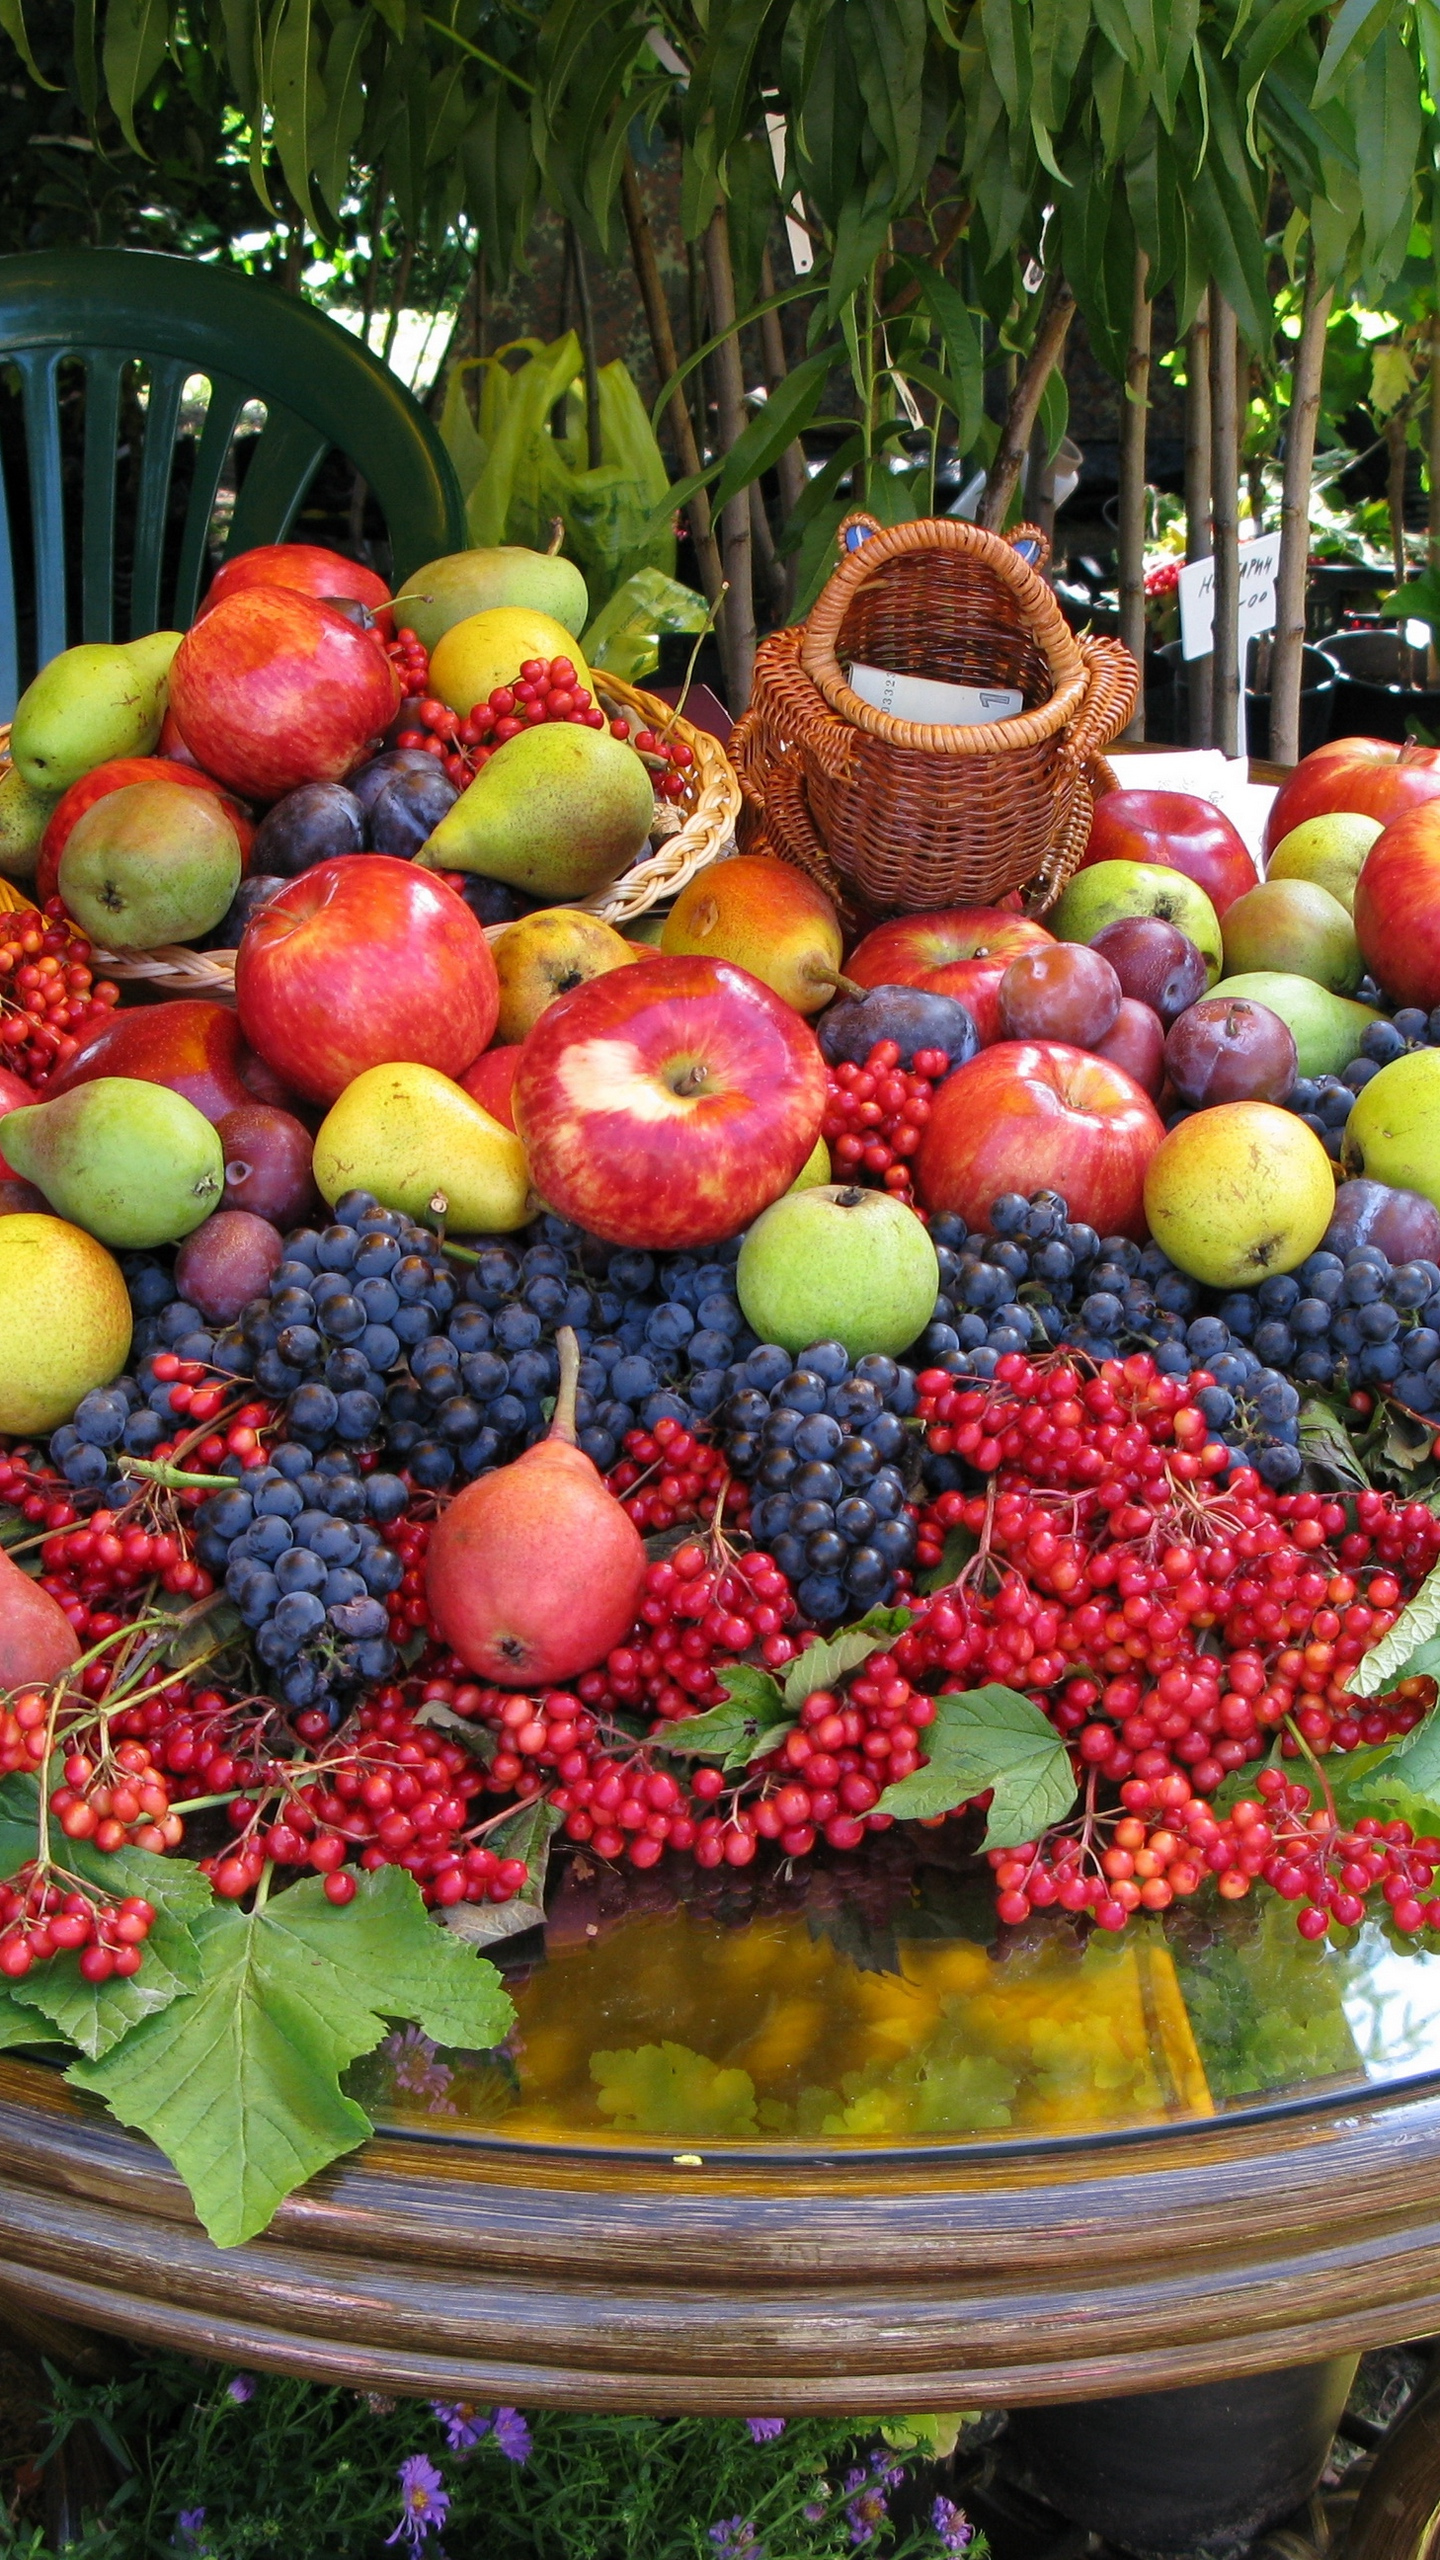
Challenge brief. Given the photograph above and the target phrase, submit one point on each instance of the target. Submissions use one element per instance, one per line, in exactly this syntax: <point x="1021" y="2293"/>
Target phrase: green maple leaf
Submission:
<point x="19" y="2025"/>
<point x="989" y="1739"/>
<point x="95" y="2015"/>
<point x="1398" y="1654"/>
<point x="240" y="2083"/>
<point x="667" y="2088"/>
<point x="751" y="1721"/>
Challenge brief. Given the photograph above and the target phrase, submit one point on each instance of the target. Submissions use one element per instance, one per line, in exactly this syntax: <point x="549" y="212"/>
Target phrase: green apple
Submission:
<point x="1327" y="1029"/>
<point x="1293" y="926"/>
<point x="1108" y="891"/>
<point x="837" y="1264"/>
<point x="1328" y="851"/>
<point x="1393" y="1132"/>
<point x="1239" y="1192"/>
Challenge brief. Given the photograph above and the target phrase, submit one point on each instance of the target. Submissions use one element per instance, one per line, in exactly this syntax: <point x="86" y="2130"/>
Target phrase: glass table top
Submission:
<point x="853" y="2006"/>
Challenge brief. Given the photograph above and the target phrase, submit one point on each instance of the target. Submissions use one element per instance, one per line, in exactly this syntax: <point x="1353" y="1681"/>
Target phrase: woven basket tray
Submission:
<point x="903" y="815"/>
<point x="703" y="830"/>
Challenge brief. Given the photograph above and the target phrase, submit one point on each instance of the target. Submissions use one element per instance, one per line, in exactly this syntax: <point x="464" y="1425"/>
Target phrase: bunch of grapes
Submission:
<point x="820" y="1440"/>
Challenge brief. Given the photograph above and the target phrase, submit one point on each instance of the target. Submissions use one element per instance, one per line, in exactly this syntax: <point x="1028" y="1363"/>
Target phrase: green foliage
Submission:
<point x="990" y="1738"/>
<point x="297" y="2468"/>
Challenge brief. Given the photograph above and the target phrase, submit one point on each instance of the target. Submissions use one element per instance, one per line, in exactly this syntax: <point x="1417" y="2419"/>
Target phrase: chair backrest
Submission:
<point x="102" y="310"/>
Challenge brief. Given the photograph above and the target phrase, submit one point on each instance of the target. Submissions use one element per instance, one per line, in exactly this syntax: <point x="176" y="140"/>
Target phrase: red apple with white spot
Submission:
<point x="274" y="688"/>
<point x="1370" y="776"/>
<point x="1038" y="1115"/>
<point x="364" y="962"/>
<point x="1180" y="832"/>
<point x="667" y="1104"/>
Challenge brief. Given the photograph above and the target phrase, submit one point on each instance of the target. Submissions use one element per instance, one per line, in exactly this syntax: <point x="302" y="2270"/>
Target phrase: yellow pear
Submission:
<point x="421" y="1145"/>
<point x="546" y="954"/>
<point x="488" y="649"/>
<point x="766" y="916"/>
<point x="815" y="1169"/>
<point x="65" y="1321"/>
<point x="1328" y="852"/>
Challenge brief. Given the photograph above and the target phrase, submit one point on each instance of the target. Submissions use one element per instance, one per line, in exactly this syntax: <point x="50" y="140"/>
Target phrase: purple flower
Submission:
<point x="866" y="2513"/>
<point x="424" y="2500"/>
<point x="411" y="2057"/>
<point x="463" y="2423"/>
<point x="190" y="2524"/>
<point x="734" y="2539"/>
<point x="765" y="2430"/>
<point x="512" y="2434"/>
<point x="952" y="2525"/>
<point x="241" y="2387"/>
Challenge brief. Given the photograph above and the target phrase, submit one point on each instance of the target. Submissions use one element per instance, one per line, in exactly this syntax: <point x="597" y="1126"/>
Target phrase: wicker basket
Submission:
<point x="698" y="829"/>
<point x="903" y="815"/>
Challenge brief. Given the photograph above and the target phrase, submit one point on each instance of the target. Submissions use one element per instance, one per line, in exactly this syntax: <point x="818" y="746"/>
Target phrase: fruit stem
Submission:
<point x="834" y="979"/>
<point x="562" y="1421"/>
<point x="557" y="536"/>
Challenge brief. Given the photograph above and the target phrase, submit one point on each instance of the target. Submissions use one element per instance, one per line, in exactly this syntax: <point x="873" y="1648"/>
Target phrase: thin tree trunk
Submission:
<point x="1224" y="480"/>
<point x="1134" y="416"/>
<point x="1286" y="658"/>
<point x="667" y="362"/>
<point x="1199" y="671"/>
<point x="594" y="451"/>
<point x="1009" y="462"/>
<point x="737" y="617"/>
<point x="790" y="469"/>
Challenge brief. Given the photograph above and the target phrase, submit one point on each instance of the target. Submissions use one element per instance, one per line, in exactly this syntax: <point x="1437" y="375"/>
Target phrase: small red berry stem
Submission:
<point x="562" y="1421"/>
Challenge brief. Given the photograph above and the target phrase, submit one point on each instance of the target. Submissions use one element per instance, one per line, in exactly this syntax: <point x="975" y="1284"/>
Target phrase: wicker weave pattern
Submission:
<point x="907" y="815"/>
<point x="706" y="830"/>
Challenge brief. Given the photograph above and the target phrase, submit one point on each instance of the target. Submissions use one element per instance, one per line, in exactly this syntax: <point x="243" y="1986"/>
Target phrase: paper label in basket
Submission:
<point x="938" y="706"/>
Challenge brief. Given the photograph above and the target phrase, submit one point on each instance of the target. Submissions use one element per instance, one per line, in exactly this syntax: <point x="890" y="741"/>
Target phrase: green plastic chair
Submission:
<point x="323" y="390"/>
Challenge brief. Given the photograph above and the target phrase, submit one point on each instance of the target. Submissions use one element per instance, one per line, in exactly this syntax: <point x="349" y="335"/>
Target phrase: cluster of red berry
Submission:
<point x="117" y="1798"/>
<point x="875" y="1114"/>
<point x="702" y="1609"/>
<point x="669" y="1475"/>
<point x="41" y="1916"/>
<point x="545" y="689"/>
<point x="48" y="997"/>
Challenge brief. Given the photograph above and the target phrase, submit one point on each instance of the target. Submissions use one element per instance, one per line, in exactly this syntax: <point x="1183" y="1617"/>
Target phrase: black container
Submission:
<point x="1373" y="698"/>
<point x="1165" y="2472"/>
<point x="1335" y="588"/>
<point x="1319" y="682"/>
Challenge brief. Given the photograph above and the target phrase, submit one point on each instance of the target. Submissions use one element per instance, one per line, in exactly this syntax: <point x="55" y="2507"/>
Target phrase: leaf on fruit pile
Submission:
<point x="826" y="1661"/>
<point x="1325" y="1442"/>
<point x="205" y="1636"/>
<point x="19" y="2025"/>
<point x="472" y="1736"/>
<point x="95" y="2015"/>
<point x="527" y="1834"/>
<point x="240" y="2083"/>
<point x="14" y="1530"/>
<point x="989" y="1739"/>
<point x="1394" y="1658"/>
<point x="19" y="1821"/>
<point x="666" y="2088"/>
<point x="751" y="1722"/>
<point x="1412" y="1764"/>
<point x="960" y="1545"/>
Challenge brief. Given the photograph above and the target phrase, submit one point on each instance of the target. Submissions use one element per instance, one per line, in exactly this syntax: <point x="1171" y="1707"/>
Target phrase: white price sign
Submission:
<point x="1259" y="568"/>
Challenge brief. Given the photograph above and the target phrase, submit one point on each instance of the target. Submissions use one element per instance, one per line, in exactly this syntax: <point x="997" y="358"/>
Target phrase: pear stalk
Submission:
<point x="562" y="1420"/>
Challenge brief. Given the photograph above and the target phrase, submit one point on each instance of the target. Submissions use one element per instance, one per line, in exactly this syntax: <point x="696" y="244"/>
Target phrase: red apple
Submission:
<point x="1037" y="1115"/>
<point x="170" y="743"/>
<point x="1179" y="831"/>
<point x="1136" y="1042"/>
<point x="1371" y="776"/>
<point x="15" y="1095"/>
<point x="361" y="962"/>
<point x="116" y="776"/>
<point x="196" y="1048"/>
<point x="1397" y="907"/>
<point x="274" y="688"/>
<point x="908" y="950"/>
<point x="668" y="1104"/>
<point x="303" y="565"/>
<point x="491" y="1081"/>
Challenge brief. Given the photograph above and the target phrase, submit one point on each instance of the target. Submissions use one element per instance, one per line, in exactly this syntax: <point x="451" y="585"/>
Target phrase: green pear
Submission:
<point x="131" y="1163"/>
<point x="1330" y="850"/>
<point x="1295" y="927"/>
<point x="1108" y="891"/>
<point x="1327" y="1028"/>
<point x="91" y="703"/>
<point x="465" y="582"/>
<point x="558" y="812"/>
<point x="24" y="816"/>
<point x="151" y="863"/>
<point x="1393" y="1132"/>
<point x="422" y="1145"/>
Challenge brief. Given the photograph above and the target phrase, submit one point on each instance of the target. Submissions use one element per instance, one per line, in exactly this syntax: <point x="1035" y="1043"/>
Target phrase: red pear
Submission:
<point x="535" y="1571"/>
<point x="37" y="1642"/>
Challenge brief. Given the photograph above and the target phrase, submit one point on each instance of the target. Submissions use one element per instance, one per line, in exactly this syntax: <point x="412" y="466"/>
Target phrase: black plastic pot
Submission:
<point x="1166" y="2472"/>
<point x="1334" y="588"/>
<point x="1373" y="698"/>
<point x="1319" y="679"/>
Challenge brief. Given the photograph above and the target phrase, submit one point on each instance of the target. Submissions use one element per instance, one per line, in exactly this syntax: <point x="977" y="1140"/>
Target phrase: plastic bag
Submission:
<point x="625" y="635"/>
<point x="518" y="475"/>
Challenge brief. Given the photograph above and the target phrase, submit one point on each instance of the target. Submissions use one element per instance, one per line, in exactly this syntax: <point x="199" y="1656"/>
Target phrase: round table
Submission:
<point x="821" y="2141"/>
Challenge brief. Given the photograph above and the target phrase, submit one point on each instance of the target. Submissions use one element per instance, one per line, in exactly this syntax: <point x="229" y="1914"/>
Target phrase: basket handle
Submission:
<point x="1108" y="701"/>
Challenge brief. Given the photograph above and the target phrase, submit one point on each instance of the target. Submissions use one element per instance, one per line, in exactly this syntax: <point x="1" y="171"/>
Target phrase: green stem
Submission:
<point x="262" y="1890"/>
<point x="490" y="60"/>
